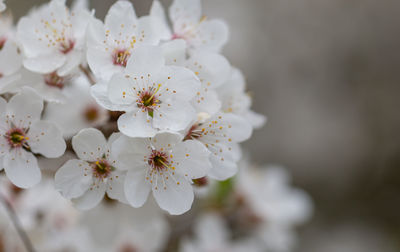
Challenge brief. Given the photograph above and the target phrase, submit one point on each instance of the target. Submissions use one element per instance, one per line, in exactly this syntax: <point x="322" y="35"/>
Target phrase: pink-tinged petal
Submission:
<point x="25" y="108"/>
<point x="136" y="124"/>
<point x="174" y="195"/>
<point x="73" y="179"/>
<point x="21" y="168"/>
<point x="91" y="197"/>
<point x="191" y="159"/>
<point x="89" y="144"/>
<point x="45" y="138"/>
<point x="137" y="188"/>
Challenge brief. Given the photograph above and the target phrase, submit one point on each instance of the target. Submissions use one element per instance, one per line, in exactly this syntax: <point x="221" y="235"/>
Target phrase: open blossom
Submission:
<point x="235" y="99"/>
<point x="22" y="134"/>
<point x="87" y="179"/>
<point x="111" y="44"/>
<point x="164" y="165"/>
<point x="189" y="24"/>
<point x="154" y="96"/>
<point x="78" y="111"/>
<point x="221" y="134"/>
<point x="53" y="38"/>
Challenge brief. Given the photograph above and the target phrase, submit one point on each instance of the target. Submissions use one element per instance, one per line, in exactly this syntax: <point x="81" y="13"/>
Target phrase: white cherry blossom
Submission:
<point x="87" y="179"/>
<point x="22" y="134"/>
<point x="164" y="165"/>
<point x="53" y="38"/>
<point x="10" y="63"/>
<point x="154" y="96"/>
<point x="188" y="23"/>
<point x="78" y="111"/>
<point x="221" y="134"/>
<point x="111" y="44"/>
<point x="235" y="99"/>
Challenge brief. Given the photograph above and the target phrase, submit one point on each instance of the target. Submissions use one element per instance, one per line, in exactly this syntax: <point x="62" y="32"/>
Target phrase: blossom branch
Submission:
<point x="88" y="74"/>
<point x="17" y="224"/>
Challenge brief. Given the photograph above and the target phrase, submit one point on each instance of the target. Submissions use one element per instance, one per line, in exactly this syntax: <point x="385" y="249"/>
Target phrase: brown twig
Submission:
<point x="17" y="224"/>
<point x="88" y="74"/>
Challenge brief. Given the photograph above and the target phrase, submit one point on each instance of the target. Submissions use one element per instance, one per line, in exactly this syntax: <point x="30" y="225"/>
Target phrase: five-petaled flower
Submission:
<point x="87" y="179"/>
<point x="162" y="164"/>
<point x="22" y="134"/>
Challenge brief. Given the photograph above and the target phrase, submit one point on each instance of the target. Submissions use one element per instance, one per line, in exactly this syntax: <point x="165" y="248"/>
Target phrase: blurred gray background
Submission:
<point x="327" y="75"/>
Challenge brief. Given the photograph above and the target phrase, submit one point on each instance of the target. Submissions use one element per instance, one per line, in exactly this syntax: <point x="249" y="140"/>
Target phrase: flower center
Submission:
<point x="66" y="46"/>
<point x="121" y="57"/>
<point x="148" y="100"/>
<point x="194" y="132"/>
<point x="158" y="160"/>
<point x="101" y="169"/>
<point x="91" y="114"/>
<point x="16" y="138"/>
<point x="54" y="80"/>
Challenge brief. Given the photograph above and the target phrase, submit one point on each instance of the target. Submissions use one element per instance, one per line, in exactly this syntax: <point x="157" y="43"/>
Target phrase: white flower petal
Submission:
<point x="121" y="20"/>
<point x="74" y="58"/>
<point x="166" y="140"/>
<point x="130" y="152"/>
<point x="212" y="35"/>
<point x="184" y="13"/>
<point x="70" y="179"/>
<point x="180" y="81"/>
<point x="25" y="107"/>
<point x="175" y="195"/>
<point x="10" y="59"/>
<point x="120" y="90"/>
<point x="257" y="120"/>
<point x="115" y="189"/>
<point x="136" y="124"/>
<point x="145" y="60"/>
<point x="137" y="188"/>
<point x="174" y="52"/>
<point x="45" y="138"/>
<point x="207" y="101"/>
<point x="45" y="63"/>
<point x="175" y="117"/>
<point x="100" y="94"/>
<point x="21" y="168"/>
<point x="191" y="158"/>
<point x="89" y="144"/>
<point x="91" y="197"/>
<point x="158" y="13"/>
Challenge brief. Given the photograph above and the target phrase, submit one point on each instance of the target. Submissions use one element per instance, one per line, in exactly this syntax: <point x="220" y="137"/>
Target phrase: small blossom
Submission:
<point x="235" y="99"/>
<point x="22" y="134"/>
<point x="154" y="96"/>
<point x="87" y="179"/>
<point x="164" y="165"/>
<point x="53" y="38"/>
<point x="221" y="135"/>
<point x="110" y="45"/>
<point x="190" y="25"/>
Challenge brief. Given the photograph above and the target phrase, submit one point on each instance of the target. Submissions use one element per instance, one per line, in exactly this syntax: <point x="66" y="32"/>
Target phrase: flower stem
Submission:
<point x="17" y="224"/>
<point x="88" y="74"/>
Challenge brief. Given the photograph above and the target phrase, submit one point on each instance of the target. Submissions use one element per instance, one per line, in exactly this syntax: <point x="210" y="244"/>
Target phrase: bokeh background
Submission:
<point x="327" y="75"/>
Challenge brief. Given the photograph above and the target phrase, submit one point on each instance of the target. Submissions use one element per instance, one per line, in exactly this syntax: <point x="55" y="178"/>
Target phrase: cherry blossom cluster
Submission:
<point x="98" y="118"/>
<point x="172" y="107"/>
